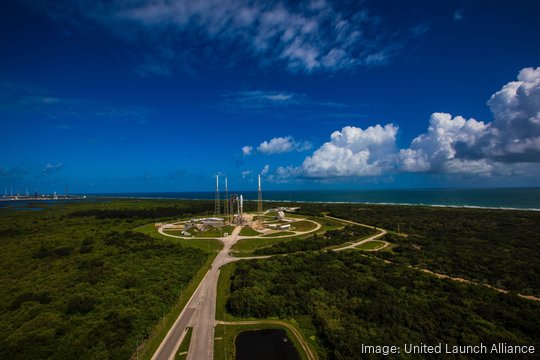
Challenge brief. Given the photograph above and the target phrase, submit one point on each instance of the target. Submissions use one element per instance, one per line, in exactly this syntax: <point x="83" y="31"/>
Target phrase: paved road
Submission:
<point x="202" y="340"/>
<point x="200" y="313"/>
<point x="381" y="233"/>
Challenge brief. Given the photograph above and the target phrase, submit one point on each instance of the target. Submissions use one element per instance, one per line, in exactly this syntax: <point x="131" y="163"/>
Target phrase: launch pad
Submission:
<point x="271" y="223"/>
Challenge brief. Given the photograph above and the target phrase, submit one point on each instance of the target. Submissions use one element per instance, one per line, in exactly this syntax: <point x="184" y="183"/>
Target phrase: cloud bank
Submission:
<point x="508" y="145"/>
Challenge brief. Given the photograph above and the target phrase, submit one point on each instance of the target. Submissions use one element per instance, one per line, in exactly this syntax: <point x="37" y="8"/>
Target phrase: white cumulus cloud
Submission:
<point x="280" y="145"/>
<point x="246" y="150"/>
<point x="453" y="144"/>
<point x="437" y="149"/>
<point x="516" y="109"/>
<point x="352" y="152"/>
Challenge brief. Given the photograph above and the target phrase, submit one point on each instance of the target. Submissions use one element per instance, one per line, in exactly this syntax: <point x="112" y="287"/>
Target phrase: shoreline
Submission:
<point x="326" y="202"/>
<point x="383" y="203"/>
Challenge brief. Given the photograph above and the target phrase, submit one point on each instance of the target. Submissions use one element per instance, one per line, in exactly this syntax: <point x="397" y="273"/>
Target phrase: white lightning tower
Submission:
<point x="216" y="210"/>
<point x="226" y="203"/>
<point x="259" y="201"/>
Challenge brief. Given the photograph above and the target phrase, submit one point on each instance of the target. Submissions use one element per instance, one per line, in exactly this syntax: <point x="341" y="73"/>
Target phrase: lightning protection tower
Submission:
<point x="259" y="200"/>
<point x="226" y="202"/>
<point x="216" y="209"/>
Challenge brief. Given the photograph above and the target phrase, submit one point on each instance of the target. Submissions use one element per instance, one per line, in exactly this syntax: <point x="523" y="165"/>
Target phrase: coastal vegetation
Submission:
<point x="496" y="247"/>
<point x="78" y="282"/>
<point x="351" y="299"/>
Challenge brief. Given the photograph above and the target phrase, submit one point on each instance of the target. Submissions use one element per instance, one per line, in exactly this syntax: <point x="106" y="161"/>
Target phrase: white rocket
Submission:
<point x="241" y="204"/>
<point x="259" y="182"/>
<point x="217" y="182"/>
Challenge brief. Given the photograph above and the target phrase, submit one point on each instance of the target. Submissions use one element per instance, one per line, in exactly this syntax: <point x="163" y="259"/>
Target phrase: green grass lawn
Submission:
<point x="223" y="292"/>
<point x="215" y="232"/>
<point x="184" y="347"/>
<point x="280" y="233"/>
<point x="303" y="225"/>
<point x="202" y="244"/>
<point x="245" y="247"/>
<point x="247" y="231"/>
<point x="371" y="245"/>
<point x="328" y="224"/>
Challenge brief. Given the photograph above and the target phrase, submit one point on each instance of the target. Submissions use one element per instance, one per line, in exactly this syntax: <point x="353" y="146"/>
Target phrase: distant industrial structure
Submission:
<point x="273" y="221"/>
<point x="233" y="204"/>
<point x="36" y="196"/>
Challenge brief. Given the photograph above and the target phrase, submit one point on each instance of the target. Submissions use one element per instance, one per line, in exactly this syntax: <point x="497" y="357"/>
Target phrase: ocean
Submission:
<point x="507" y="198"/>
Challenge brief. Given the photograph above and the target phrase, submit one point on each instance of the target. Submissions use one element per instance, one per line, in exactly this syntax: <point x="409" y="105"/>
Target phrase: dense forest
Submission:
<point x="78" y="283"/>
<point x="497" y="247"/>
<point x="317" y="242"/>
<point x="151" y="212"/>
<point x="353" y="300"/>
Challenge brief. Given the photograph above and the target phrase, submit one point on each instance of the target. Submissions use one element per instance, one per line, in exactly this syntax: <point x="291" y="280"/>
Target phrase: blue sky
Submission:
<point x="153" y="95"/>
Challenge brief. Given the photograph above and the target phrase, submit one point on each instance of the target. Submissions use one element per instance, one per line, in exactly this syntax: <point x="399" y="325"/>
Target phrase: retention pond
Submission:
<point x="268" y="344"/>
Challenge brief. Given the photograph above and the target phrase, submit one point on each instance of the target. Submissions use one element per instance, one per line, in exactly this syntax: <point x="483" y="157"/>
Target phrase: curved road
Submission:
<point x="381" y="233"/>
<point x="162" y="229"/>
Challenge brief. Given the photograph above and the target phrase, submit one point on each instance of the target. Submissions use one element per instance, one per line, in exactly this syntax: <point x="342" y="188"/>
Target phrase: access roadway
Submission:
<point x="200" y="311"/>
